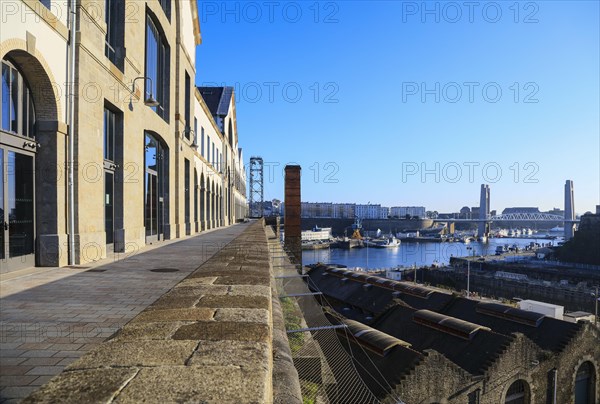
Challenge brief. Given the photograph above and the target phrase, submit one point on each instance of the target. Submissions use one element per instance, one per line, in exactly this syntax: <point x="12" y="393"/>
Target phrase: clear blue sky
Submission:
<point x="369" y="130"/>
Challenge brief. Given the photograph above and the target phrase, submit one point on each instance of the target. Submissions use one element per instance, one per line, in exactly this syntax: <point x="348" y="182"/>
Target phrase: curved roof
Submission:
<point x="402" y="287"/>
<point x="510" y="313"/>
<point x="373" y="339"/>
<point x="447" y="324"/>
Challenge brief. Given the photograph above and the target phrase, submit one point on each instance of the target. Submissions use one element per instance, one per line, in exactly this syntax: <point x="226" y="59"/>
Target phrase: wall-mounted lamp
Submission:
<point x="192" y="135"/>
<point x="150" y="101"/>
<point x="31" y="145"/>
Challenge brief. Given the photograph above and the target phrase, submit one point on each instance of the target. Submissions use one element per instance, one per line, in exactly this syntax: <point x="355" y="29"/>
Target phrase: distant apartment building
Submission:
<point x="316" y="210"/>
<point x="327" y="210"/>
<point x="403" y="211"/>
<point x="138" y="155"/>
<point x="371" y="212"/>
<point x="344" y="210"/>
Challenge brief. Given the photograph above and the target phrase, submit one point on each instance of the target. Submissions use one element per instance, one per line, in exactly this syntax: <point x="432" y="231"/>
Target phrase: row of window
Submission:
<point x="210" y="151"/>
<point x="157" y="60"/>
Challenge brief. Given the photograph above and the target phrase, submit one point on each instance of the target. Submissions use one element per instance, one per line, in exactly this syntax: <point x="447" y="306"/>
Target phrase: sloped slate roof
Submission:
<point x="473" y="355"/>
<point x="381" y="373"/>
<point x="487" y="337"/>
<point x="217" y="99"/>
<point x="551" y="334"/>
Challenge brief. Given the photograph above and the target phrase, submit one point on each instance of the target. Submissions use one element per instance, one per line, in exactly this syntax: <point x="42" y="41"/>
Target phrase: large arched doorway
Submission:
<point x="17" y="169"/>
<point x="202" y="203"/>
<point x="196" y="189"/>
<point x="29" y="201"/>
<point x="155" y="187"/>
<point x="518" y="393"/>
<point x="585" y="384"/>
<point x="212" y="204"/>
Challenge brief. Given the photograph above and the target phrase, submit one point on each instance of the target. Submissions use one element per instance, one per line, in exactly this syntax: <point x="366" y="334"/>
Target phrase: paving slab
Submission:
<point x="85" y="386"/>
<point x="195" y="385"/>
<point x="49" y="317"/>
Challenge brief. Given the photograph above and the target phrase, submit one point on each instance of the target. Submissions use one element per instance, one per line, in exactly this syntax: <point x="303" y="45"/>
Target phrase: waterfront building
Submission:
<point x="412" y="211"/>
<point x="317" y="234"/>
<point x="151" y="157"/>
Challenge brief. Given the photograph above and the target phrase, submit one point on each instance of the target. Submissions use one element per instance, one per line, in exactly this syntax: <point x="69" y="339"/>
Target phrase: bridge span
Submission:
<point x="485" y="218"/>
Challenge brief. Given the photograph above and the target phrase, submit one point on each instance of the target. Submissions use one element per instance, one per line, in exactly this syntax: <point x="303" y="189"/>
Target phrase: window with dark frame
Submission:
<point x="114" y="16"/>
<point x="166" y="6"/>
<point x="187" y="190"/>
<point x="18" y="110"/>
<point x="109" y="134"/>
<point x="188" y="120"/>
<point x="157" y="68"/>
<point x="202" y="141"/>
<point x="196" y="132"/>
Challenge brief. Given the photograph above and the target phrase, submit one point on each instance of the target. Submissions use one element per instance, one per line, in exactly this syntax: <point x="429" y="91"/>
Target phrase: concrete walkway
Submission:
<point x="51" y="317"/>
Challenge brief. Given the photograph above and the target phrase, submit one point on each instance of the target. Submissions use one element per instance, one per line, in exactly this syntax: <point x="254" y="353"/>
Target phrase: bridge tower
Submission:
<point x="483" y="228"/>
<point x="256" y="187"/>
<point x="569" y="210"/>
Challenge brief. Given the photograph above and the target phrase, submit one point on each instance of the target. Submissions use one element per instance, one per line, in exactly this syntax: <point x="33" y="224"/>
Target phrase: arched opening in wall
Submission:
<point x="212" y="204"/>
<point x="156" y="187"/>
<point x="196" y="191"/>
<point x="202" y="203"/>
<point x="30" y="147"/>
<point x="208" y="204"/>
<point x="585" y="384"/>
<point x="217" y="206"/>
<point x="229" y="193"/>
<point x="518" y="393"/>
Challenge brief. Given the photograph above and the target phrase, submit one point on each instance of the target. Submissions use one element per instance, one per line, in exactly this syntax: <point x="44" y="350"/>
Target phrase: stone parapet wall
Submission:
<point x="216" y="337"/>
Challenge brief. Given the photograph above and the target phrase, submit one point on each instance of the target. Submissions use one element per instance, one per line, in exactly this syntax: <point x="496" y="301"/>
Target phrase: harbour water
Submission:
<point x="408" y="254"/>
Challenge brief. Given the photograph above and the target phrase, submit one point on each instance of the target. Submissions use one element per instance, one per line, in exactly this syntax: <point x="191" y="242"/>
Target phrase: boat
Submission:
<point x="502" y="233"/>
<point x="389" y="242"/>
<point x="556" y="229"/>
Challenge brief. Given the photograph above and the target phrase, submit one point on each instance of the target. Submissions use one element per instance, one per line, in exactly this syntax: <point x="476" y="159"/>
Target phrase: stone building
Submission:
<point x="113" y="153"/>
<point x="414" y="344"/>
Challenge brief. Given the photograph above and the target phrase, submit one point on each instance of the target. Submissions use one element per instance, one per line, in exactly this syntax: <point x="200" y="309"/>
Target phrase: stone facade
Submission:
<point x="192" y="194"/>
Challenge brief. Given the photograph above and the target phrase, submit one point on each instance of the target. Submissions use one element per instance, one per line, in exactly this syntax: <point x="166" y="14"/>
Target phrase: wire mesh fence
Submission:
<point x="328" y="372"/>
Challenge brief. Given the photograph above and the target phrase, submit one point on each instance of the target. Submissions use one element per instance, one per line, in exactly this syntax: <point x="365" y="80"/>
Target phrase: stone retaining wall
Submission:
<point x="211" y="339"/>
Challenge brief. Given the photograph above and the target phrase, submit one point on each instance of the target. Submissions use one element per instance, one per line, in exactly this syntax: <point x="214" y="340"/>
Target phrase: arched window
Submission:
<point x="202" y="203"/>
<point x="155" y="186"/>
<point x="18" y="111"/>
<point x="518" y="393"/>
<point x="17" y="170"/>
<point x="585" y="384"/>
<point x="157" y="67"/>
